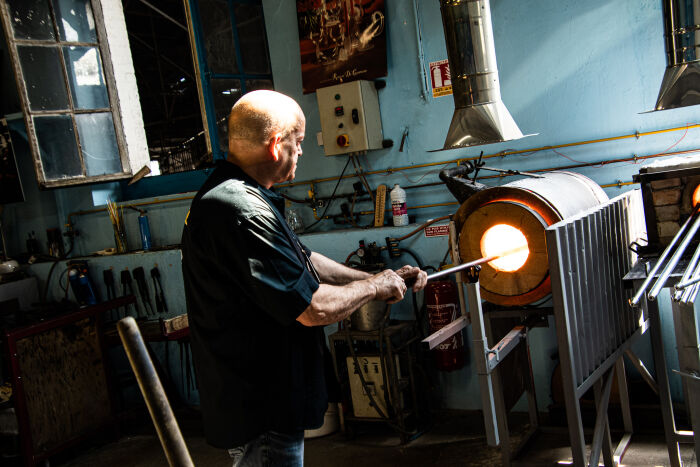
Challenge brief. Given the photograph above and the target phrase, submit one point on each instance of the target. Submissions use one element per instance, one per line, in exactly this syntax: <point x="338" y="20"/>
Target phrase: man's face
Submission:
<point x="290" y="151"/>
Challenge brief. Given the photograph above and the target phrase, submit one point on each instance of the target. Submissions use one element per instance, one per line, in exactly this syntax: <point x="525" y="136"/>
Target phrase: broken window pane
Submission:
<point x="57" y="147"/>
<point x="75" y="20"/>
<point x="38" y="65"/>
<point x="99" y="143"/>
<point x="31" y="19"/>
<point x="87" y="82"/>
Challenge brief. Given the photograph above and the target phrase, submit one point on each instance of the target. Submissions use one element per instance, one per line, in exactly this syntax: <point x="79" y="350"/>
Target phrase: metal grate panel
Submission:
<point x="588" y="257"/>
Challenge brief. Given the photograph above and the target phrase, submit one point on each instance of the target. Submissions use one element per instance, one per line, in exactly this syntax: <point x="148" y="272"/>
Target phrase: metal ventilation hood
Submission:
<point x="681" y="84"/>
<point x="480" y="116"/>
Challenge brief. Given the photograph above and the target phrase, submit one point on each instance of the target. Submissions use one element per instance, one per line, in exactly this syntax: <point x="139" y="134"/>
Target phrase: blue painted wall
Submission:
<point x="569" y="70"/>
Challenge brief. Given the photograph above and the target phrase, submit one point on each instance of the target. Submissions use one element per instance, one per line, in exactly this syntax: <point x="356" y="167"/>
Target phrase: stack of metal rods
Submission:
<point x="687" y="289"/>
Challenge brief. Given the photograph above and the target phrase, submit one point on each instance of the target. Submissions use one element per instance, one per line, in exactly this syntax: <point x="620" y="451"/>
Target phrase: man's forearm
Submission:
<point x="332" y="272"/>
<point x="332" y="303"/>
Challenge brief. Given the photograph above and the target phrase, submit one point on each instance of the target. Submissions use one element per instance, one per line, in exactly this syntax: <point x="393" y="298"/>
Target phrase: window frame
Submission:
<point x="204" y="74"/>
<point x="115" y="108"/>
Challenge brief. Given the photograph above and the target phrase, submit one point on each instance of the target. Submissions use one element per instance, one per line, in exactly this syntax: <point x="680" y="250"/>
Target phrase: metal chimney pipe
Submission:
<point x="681" y="83"/>
<point x="480" y="116"/>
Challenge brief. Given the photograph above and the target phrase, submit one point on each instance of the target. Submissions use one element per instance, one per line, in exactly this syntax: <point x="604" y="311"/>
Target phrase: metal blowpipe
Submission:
<point x="461" y="267"/>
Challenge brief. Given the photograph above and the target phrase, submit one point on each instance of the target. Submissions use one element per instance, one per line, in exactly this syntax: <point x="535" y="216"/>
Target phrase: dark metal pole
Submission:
<point x="152" y="390"/>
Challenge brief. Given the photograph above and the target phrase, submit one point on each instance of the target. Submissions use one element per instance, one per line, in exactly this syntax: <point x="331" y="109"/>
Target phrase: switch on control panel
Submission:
<point x="350" y="117"/>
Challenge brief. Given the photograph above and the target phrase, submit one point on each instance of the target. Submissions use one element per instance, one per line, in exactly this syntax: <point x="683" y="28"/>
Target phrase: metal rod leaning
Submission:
<point x="671" y="264"/>
<point x="690" y="271"/>
<point x="693" y="280"/>
<point x="694" y="293"/>
<point x="154" y="395"/>
<point x="634" y="301"/>
<point x="685" y="295"/>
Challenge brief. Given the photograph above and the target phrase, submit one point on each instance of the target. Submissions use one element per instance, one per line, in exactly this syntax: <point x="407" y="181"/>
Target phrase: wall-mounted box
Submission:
<point x="350" y="119"/>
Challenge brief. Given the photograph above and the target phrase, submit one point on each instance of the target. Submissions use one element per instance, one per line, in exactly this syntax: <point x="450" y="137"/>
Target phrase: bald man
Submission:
<point x="258" y="299"/>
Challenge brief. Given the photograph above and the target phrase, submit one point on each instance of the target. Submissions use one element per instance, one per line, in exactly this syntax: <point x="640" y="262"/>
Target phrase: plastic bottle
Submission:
<point x="398" y="206"/>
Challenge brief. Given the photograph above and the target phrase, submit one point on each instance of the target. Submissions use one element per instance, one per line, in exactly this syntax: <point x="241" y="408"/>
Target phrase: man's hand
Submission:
<point x="413" y="276"/>
<point x="389" y="286"/>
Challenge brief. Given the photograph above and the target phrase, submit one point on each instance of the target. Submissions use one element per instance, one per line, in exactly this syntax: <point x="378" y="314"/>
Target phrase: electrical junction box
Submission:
<point x="371" y="368"/>
<point x="350" y="119"/>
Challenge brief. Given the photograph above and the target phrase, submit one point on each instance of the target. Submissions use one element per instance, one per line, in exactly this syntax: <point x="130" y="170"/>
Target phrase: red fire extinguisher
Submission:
<point x="442" y="303"/>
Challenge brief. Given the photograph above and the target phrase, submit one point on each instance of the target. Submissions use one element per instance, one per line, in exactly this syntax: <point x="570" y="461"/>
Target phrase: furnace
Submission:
<point x="515" y="216"/>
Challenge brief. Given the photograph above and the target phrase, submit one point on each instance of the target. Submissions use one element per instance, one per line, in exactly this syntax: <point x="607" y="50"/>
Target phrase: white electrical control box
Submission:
<point x="350" y="119"/>
<point x="371" y="368"/>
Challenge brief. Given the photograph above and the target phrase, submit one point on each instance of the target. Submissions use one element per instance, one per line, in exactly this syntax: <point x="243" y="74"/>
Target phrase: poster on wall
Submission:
<point x="340" y="41"/>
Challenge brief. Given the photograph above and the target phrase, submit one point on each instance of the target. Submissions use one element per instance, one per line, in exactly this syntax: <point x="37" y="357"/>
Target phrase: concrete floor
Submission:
<point x="455" y="439"/>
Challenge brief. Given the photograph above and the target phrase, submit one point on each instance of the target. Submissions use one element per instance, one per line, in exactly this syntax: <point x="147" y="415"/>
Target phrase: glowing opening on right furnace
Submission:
<point x="507" y="242"/>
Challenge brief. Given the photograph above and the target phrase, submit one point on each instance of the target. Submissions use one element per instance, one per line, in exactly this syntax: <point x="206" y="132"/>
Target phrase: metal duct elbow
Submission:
<point x="480" y="116"/>
<point x="457" y="181"/>
<point x="681" y="83"/>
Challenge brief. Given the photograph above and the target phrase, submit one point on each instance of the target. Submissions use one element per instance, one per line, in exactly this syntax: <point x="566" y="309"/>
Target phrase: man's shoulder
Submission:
<point x="235" y="197"/>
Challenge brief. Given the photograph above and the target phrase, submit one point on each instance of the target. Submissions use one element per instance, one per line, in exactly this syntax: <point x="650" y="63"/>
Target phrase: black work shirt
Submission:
<point x="258" y="369"/>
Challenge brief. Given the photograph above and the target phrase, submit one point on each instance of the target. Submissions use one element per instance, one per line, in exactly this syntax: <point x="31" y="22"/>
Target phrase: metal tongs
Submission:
<point x="161" y="307"/>
<point x="140" y="277"/>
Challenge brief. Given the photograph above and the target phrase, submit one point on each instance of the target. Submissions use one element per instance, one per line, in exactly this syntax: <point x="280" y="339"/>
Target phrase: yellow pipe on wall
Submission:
<point x="499" y="154"/>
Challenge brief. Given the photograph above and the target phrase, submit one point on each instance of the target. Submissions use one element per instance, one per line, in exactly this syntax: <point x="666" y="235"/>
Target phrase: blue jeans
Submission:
<point x="271" y="449"/>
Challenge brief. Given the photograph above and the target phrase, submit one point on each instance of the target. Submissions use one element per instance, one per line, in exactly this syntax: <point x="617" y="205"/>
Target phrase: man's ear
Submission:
<point x="273" y="147"/>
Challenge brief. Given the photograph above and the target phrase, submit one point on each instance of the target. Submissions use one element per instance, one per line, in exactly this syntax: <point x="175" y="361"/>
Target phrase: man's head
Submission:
<point x="265" y="130"/>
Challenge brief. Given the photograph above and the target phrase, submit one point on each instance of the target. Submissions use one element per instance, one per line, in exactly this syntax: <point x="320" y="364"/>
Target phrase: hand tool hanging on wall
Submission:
<point x="140" y="277"/>
<point x="108" y="278"/>
<point x="128" y="289"/>
<point x="161" y="307"/>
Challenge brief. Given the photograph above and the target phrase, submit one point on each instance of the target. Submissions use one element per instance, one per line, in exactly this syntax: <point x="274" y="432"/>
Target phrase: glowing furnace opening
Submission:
<point x="508" y="242"/>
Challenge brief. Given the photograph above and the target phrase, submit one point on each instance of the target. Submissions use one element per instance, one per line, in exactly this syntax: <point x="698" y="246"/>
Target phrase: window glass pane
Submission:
<point x="251" y="34"/>
<point x="75" y="20"/>
<point x="57" y="147"/>
<point x="31" y="19"/>
<point x="254" y="84"/>
<point x="218" y="36"/>
<point x="39" y="64"/>
<point x="225" y="92"/>
<point x="87" y="82"/>
<point x="99" y="143"/>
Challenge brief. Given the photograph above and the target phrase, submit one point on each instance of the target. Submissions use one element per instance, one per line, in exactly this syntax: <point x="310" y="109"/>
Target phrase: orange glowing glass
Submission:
<point x="696" y="196"/>
<point x="506" y="240"/>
